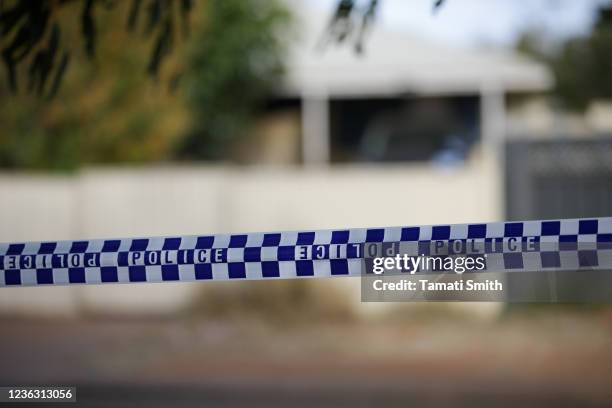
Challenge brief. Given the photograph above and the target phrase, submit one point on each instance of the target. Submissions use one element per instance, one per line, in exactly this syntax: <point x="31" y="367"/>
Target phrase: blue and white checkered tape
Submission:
<point x="509" y="246"/>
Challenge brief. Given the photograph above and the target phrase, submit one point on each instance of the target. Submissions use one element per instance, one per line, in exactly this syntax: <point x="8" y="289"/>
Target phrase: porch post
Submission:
<point x="315" y="129"/>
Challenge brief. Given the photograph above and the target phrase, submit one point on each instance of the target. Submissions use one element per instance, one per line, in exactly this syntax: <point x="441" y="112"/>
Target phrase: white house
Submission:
<point x="394" y="77"/>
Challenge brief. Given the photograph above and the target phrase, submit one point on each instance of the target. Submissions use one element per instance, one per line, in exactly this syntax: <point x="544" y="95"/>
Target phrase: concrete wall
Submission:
<point x="126" y="202"/>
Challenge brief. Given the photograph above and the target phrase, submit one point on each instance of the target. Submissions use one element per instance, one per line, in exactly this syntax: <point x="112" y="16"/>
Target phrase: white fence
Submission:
<point x="124" y="202"/>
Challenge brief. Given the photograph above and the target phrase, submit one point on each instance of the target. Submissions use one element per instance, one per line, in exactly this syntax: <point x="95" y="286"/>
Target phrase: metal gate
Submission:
<point x="565" y="178"/>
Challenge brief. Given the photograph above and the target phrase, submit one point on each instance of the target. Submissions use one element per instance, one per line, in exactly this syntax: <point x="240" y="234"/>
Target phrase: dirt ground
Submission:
<point x="558" y="359"/>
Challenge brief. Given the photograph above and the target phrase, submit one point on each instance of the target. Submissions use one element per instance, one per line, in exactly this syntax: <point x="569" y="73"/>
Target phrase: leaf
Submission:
<point x="88" y="28"/>
<point x="10" y="18"/>
<point x="133" y="15"/>
<point x="186" y="6"/>
<point x="437" y="4"/>
<point x="155" y="12"/>
<point x="161" y="49"/>
<point x="59" y="74"/>
<point x="49" y="58"/>
<point x="344" y="9"/>
<point x="10" y="70"/>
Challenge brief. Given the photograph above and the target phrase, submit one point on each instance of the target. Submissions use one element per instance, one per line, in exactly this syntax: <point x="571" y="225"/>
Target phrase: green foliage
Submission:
<point x="31" y="35"/>
<point x="106" y="111"/>
<point x="581" y="65"/>
<point x="234" y="62"/>
<point x="582" y="68"/>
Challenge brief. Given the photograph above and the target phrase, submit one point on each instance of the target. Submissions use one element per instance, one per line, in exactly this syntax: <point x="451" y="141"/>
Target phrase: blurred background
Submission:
<point x="162" y="118"/>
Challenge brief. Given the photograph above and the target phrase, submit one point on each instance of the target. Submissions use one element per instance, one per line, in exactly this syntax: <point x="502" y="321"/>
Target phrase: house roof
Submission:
<point x="395" y="63"/>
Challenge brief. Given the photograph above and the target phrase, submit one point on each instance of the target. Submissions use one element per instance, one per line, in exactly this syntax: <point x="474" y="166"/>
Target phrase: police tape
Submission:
<point x="571" y="244"/>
